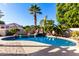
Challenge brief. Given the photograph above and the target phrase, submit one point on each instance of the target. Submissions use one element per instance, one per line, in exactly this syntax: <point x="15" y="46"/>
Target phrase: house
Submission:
<point x="14" y="26"/>
<point x="4" y="28"/>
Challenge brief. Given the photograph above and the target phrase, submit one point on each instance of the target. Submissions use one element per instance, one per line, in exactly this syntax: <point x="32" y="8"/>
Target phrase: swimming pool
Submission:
<point x="43" y="39"/>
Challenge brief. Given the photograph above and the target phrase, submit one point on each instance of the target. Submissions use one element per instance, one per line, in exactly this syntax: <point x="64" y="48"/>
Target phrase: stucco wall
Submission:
<point x="2" y="32"/>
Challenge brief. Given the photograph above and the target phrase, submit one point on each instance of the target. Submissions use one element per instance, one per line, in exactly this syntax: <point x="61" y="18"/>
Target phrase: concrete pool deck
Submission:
<point x="31" y="48"/>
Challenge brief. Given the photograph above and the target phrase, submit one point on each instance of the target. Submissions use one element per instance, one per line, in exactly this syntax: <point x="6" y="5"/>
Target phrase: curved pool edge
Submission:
<point x="5" y="37"/>
<point x="64" y="38"/>
<point x="3" y="43"/>
<point x="72" y="40"/>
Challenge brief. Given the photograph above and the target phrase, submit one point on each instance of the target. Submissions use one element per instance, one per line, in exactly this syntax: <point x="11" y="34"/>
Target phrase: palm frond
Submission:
<point x="35" y="9"/>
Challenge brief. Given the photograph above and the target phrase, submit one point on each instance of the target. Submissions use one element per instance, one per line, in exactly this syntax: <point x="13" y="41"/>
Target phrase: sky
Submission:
<point x="19" y="13"/>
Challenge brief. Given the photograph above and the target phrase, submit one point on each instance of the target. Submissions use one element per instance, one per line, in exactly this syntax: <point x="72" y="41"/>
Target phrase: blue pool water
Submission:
<point x="43" y="39"/>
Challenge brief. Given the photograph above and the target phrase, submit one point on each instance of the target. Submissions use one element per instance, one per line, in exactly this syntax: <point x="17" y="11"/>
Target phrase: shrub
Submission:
<point x="11" y="32"/>
<point x="74" y="33"/>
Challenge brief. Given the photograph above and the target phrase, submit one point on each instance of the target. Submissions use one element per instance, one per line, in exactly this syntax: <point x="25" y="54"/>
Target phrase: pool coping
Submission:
<point x="77" y="44"/>
<point x="34" y="44"/>
<point x="32" y="49"/>
<point x="64" y="38"/>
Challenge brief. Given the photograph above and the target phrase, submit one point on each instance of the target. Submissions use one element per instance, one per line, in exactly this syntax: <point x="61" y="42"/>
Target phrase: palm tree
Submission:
<point x="45" y="20"/>
<point x="34" y="9"/>
<point x="48" y="25"/>
<point x="1" y="14"/>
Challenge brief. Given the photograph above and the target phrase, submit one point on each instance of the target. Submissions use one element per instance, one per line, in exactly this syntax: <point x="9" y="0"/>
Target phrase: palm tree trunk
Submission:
<point x="35" y="19"/>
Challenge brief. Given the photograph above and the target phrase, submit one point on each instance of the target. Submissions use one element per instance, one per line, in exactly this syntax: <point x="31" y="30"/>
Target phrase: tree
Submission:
<point x="60" y="29"/>
<point x="34" y="9"/>
<point x="2" y="22"/>
<point x="1" y="15"/>
<point x="68" y="14"/>
<point x="47" y="24"/>
<point x="11" y="31"/>
<point x="43" y="23"/>
<point x="50" y="25"/>
<point x="27" y="28"/>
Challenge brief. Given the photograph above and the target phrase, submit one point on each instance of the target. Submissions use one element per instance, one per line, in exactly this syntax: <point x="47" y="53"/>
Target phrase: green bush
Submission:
<point x="12" y="31"/>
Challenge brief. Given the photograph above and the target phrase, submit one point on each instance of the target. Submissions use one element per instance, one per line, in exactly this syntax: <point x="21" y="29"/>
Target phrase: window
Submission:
<point x="2" y="27"/>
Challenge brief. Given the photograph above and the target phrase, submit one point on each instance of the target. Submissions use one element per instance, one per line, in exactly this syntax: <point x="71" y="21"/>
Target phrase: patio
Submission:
<point x="36" y="49"/>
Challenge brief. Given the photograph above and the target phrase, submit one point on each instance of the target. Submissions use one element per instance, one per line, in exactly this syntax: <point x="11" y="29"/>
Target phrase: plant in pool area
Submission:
<point x="34" y="9"/>
<point x="1" y="15"/>
<point x="12" y="31"/>
<point x="31" y="29"/>
<point x="68" y="14"/>
<point x="74" y="34"/>
<point x="27" y="28"/>
<point x="60" y="30"/>
<point x="47" y="25"/>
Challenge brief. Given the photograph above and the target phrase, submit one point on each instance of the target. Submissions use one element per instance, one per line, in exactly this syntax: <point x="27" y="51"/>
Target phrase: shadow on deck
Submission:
<point x="45" y="52"/>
